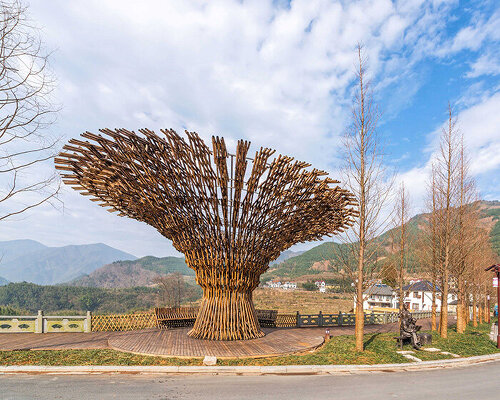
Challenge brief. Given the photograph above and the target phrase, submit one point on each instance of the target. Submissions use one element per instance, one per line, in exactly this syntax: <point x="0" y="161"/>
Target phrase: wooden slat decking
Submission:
<point x="54" y="341"/>
<point x="172" y="342"/>
<point x="176" y="342"/>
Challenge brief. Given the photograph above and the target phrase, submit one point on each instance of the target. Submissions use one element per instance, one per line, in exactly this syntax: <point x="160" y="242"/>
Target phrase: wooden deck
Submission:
<point x="169" y="343"/>
<point x="54" y="341"/>
<point x="176" y="343"/>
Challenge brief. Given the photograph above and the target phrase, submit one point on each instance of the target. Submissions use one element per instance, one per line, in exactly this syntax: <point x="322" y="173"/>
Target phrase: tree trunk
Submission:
<point x="467" y="310"/>
<point x="443" y="327"/>
<point x="226" y="315"/>
<point x="486" y="310"/>
<point x="480" y="312"/>
<point x="460" y="307"/>
<point x="360" y="315"/>
<point x="474" y="310"/>
<point x="433" y="308"/>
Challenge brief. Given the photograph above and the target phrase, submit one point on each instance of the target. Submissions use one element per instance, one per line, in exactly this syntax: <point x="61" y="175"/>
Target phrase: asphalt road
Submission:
<point x="473" y="382"/>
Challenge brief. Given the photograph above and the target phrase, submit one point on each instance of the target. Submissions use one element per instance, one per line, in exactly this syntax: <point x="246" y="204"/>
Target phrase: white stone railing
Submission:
<point x="45" y="323"/>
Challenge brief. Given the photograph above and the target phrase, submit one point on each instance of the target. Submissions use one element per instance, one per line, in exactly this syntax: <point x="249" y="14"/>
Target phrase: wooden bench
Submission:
<point x="267" y="318"/>
<point x="175" y="317"/>
<point x="185" y="316"/>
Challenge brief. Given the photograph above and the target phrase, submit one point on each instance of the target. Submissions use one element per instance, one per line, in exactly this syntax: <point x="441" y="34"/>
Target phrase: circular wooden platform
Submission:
<point x="176" y="343"/>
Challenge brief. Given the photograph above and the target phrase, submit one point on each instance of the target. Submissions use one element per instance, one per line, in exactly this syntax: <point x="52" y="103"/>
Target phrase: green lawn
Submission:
<point x="379" y="349"/>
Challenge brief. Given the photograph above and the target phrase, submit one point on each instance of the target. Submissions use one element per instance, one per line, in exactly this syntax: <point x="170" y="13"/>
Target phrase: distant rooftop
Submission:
<point x="421" y="286"/>
<point x="380" y="289"/>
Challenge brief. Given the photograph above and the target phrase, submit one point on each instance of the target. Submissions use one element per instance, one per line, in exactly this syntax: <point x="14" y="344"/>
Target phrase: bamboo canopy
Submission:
<point x="228" y="214"/>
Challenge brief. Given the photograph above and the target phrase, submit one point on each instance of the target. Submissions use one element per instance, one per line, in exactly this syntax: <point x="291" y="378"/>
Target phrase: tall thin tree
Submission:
<point x="366" y="177"/>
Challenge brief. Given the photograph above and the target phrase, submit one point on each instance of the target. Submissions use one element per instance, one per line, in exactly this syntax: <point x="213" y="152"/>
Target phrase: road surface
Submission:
<point x="473" y="382"/>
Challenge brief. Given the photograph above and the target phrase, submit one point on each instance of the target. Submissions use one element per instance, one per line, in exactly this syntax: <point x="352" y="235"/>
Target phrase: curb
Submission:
<point x="249" y="370"/>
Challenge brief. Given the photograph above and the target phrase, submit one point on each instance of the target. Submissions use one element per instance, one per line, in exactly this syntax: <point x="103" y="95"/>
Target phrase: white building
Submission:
<point x="321" y="286"/>
<point x="418" y="296"/>
<point x="279" y="285"/>
<point x="378" y="295"/>
<point x="289" y="286"/>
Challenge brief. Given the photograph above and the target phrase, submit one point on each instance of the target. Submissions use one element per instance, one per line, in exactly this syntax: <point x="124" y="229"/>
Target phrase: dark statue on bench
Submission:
<point x="409" y="329"/>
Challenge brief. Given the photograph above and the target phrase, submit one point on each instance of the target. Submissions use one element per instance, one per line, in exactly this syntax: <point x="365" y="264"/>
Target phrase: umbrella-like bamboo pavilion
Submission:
<point x="230" y="215"/>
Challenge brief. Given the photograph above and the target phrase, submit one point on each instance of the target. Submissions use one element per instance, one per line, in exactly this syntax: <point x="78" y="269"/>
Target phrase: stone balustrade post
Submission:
<point x="87" y="323"/>
<point x="39" y="322"/>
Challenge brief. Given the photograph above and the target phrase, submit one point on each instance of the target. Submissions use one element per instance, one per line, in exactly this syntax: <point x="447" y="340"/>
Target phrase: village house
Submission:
<point x="378" y="295"/>
<point x="321" y="285"/>
<point x="418" y="296"/>
<point x="279" y="285"/>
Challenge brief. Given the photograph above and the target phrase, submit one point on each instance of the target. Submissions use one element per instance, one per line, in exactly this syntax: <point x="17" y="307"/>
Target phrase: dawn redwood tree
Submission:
<point x="466" y="239"/>
<point x="401" y="218"/>
<point x="366" y="177"/>
<point x="25" y="111"/>
<point x="447" y="175"/>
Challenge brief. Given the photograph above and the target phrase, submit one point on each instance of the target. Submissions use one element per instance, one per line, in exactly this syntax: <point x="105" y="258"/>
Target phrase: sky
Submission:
<point x="277" y="73"/>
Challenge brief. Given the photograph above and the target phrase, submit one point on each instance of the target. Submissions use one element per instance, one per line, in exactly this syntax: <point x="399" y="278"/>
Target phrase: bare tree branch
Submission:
<point x="26" y="110"/>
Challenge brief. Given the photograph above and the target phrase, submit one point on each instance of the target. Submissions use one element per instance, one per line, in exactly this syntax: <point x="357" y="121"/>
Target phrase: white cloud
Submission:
<point x="480" y="125"/>
<point x="486" y="64"/>
<point x="277" y="75"/>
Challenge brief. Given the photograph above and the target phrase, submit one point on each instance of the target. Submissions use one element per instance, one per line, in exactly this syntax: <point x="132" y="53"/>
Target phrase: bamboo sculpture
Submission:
<point x="229" y="220"/>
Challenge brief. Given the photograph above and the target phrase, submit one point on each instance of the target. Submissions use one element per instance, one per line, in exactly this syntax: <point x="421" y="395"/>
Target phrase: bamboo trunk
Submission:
<point x="230" y="222"/>
<point x="226" y="316"/>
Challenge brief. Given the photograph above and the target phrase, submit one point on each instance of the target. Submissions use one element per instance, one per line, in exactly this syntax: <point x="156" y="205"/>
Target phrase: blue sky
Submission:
<point x="277" y="73"/>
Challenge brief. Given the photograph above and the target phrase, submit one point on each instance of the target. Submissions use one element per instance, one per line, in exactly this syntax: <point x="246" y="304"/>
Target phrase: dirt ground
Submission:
<point x="303" y="301"/>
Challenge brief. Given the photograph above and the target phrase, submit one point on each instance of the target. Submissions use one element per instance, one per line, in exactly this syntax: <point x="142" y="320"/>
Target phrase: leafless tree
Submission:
<point x="172" y="289"/>
<point x="447" y="194"/>
<point x="366" y="177"/>
<point x="466" y="240"/>
<point x="428" y="244"/>
<point x="26" y="110"/>
<point x="401" y="218"/>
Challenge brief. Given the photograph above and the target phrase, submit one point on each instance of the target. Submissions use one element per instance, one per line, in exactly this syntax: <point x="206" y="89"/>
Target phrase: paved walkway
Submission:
<point x="176" y="343"/>
<point x="472" y="382"/>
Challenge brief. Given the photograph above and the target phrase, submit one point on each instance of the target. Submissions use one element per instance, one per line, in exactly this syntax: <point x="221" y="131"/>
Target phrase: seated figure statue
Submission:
<point x="409" y="328"/>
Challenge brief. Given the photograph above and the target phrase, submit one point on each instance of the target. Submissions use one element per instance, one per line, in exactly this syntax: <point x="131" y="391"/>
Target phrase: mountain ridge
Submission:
<point x="322" y="261"/>
<point x="140" y="272"/>
<point x="31" y="261"/>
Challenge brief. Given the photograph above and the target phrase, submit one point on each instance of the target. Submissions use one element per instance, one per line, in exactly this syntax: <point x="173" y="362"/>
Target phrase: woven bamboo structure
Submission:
<point x="230" y="215"/>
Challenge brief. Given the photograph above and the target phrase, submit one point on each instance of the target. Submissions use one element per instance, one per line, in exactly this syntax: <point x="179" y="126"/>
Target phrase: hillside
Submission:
<point x="77" y="300"/>
<point x="286" y="255"/>
<point x="3" y="281"/>
<point x="27" y="260"/>
<point x="141" y="272"/>
<point x="10" y="250"/>
<point x="322" y="260"/>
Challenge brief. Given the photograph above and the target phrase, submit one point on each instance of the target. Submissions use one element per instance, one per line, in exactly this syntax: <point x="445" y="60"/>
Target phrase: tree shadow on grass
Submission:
<point x="370" y="340"/>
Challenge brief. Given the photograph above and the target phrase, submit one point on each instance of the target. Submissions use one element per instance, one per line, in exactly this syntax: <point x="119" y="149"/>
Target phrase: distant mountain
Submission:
<point x="12" y="249"/>
<point x="140" y="272"/>
<point x="322" y="260"/>
<point x="28" y="260"/>
<point x="286" y="255"/>
<point x="3" y="281"/>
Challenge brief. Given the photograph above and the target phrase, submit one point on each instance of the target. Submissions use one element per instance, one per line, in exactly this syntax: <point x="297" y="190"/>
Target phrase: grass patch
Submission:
<point x="86" y="357"/>
<point x="380" y="348"/>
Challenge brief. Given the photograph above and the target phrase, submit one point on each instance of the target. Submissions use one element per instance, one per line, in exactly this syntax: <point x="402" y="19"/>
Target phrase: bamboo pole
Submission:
<point x="229" y="221"/>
